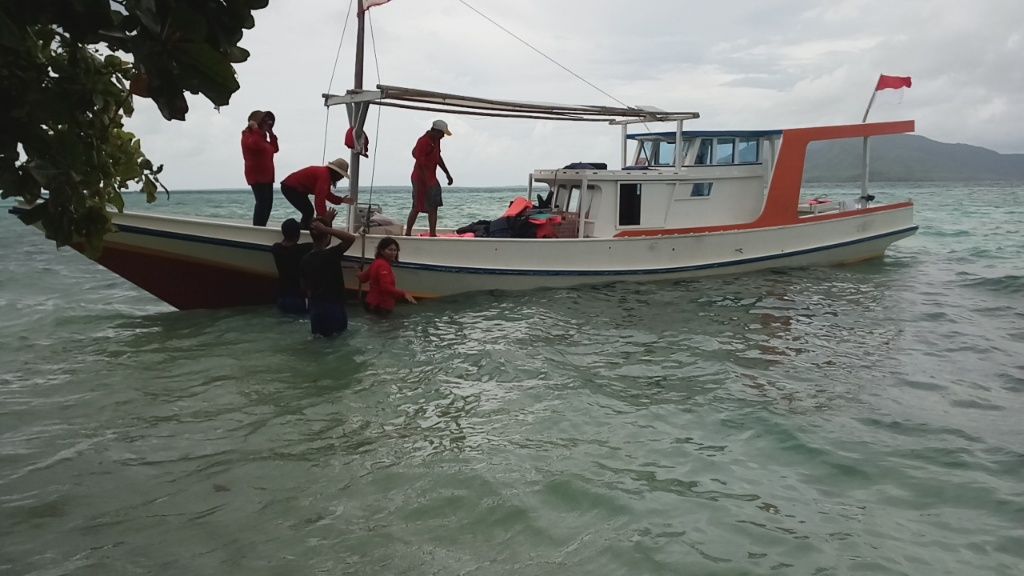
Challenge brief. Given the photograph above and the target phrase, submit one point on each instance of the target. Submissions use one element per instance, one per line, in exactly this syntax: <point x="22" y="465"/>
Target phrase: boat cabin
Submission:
<point x="675" y="183"/>
<point x="675" y="180"/>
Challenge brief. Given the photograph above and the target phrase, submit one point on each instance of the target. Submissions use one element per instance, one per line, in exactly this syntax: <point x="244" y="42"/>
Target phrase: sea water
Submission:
<point x="864" y="419"/>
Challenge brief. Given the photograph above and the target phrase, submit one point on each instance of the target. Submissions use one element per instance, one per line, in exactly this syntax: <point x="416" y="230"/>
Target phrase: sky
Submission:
<point x="743" y="64"/>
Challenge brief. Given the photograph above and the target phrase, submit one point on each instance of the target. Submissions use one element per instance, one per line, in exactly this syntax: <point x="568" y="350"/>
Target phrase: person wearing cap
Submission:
<point x="259" y="144"/>
<point x="426" y="190"/>
<point x="315" y="181"/>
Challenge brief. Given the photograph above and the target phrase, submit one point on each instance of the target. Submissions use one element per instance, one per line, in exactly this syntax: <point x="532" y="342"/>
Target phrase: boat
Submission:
<point x="682" y="204"/>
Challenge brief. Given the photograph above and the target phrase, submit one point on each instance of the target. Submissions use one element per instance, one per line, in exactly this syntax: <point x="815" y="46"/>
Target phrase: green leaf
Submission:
<point x="149" y="189"/>
<point x="116" y="200"/>
<point x="10" y="35"/>
<point x="211" y="71"/>
<point x="253" y="4"/>
<point x="237" y="54"/>
<point x="128" y="106"/>
<point x="145" y="10"/>
<point x="188" y="23"/>
<point x="34" y="214"/>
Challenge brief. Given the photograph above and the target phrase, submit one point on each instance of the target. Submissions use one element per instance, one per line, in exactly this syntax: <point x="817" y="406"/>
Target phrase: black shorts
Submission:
<point x="327" y="318"/>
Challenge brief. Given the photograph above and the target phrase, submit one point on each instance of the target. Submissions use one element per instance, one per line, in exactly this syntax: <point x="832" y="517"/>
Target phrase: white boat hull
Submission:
<point x="197" y="263"/>
<point x="443" y="267"/>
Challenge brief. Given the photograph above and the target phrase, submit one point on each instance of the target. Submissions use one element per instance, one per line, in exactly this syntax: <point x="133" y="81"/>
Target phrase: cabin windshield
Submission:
<point x="658" y="152"/>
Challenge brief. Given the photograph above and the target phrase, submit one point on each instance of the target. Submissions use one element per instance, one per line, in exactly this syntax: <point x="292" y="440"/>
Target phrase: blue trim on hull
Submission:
<point x="175" y="235"/>
<point x="653" y="271"/>
<point x="521" y="272"/>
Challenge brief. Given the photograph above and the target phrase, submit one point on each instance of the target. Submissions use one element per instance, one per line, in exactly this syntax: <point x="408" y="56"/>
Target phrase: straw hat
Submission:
<point x="339" y="165"/>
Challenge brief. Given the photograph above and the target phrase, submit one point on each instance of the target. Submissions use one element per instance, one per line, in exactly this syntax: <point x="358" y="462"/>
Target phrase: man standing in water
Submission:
<point x="323" y="280"/>
<point x="426" y="190"/>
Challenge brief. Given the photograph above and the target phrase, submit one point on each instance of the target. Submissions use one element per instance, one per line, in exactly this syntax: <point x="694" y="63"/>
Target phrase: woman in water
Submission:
<point x="382" y="295"/>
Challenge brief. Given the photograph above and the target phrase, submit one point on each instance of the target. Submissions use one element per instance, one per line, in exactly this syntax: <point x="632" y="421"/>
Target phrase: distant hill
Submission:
<point x="910" y="158"/>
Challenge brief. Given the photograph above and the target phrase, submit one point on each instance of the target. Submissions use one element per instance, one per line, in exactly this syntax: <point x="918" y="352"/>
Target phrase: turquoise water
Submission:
<point x="856" y="420"/>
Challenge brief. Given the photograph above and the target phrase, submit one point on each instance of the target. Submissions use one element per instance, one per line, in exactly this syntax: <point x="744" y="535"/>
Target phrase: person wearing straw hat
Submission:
<point x="315" y="181"/>
<point x="259" y="144"/>
<point x="426" y="190"/>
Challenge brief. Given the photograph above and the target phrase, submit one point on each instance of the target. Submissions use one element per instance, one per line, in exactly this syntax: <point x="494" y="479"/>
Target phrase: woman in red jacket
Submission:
<point x="259" y="144"/>
<point x="381" y="298"/>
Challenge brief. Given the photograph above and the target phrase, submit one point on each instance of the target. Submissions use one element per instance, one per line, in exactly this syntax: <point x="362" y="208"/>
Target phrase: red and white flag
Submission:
<point x="367" y="4"/>
<point x="885" y="83"/>
<point x="895" y="82"/>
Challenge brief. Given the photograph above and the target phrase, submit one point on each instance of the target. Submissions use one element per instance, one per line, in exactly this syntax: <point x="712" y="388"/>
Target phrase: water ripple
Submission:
<point x="852" y="419"/>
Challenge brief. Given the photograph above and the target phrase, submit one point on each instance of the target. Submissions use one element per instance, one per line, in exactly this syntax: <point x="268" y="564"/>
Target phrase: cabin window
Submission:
<point x="593" y="207"/>
<point x="572" y="204"/>
<point x="629" y="204"/>
<point x="704" y="151"/>
<point x="746" y="151"/>
<point x="644" y="153"/>
<point x="567" y="198"/>
<point x="666" y="154"/>
<point x="725" y="151"/>
<point x="701" y="189"/>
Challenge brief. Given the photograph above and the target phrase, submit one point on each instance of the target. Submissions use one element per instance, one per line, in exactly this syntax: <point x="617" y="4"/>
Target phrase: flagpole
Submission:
<point x="866" y="165"/>
<point x="871" y="101"/>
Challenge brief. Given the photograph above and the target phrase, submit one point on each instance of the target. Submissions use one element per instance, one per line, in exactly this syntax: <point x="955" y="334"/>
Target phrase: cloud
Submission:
<point x="742" y="64"/>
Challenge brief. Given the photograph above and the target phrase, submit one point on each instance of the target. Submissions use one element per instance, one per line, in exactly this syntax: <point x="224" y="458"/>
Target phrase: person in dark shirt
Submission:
<point x="288" y="255"/>
<point x="323" y="281"/>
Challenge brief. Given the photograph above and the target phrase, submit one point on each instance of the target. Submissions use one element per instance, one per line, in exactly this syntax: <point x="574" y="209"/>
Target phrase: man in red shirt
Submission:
<point x="315" y="181"/>
<point x="426" y="190"/>
<point x="259" y="144"/>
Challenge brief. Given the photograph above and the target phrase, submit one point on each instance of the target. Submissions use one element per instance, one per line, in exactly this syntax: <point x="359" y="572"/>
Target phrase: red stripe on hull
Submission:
<point x="189" y="285"/>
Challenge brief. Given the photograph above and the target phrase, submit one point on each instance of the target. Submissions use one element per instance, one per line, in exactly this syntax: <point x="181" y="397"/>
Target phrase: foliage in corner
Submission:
<point x="69" y="70"/>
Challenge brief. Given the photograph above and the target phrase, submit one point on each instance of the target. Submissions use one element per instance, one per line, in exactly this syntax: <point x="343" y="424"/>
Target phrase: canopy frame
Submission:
<point x="443" y="103"/>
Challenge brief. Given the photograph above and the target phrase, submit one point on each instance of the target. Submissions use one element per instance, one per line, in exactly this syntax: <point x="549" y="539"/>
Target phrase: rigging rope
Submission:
<point x="373" y="162"/>
<point x="330" y="83"/>
<point x="531" y="47"/>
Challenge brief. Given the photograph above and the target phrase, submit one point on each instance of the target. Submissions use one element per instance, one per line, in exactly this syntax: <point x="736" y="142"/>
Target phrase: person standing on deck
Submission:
<point x="259" y="144"/>
<point x="316" y="181"/>
<point x="426" y="190"/>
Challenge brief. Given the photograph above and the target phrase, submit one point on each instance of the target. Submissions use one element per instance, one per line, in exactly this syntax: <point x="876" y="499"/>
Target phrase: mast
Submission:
<point x="356" y="119"/>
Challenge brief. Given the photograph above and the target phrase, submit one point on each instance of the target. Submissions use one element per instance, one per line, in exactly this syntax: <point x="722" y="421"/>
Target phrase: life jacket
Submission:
<point x="519" y="205"/>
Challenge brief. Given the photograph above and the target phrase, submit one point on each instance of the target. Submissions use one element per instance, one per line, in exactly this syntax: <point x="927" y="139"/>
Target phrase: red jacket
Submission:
<point x="315" y="180"/>
<point x="428" y="156"/>
<point x="258" y="153"/>
<point x="382" y="284"/>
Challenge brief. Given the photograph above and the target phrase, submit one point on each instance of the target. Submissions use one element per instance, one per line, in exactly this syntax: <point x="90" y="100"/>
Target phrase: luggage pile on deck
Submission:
<point x="522" y="220"/>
